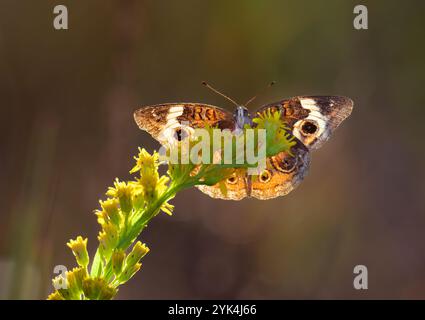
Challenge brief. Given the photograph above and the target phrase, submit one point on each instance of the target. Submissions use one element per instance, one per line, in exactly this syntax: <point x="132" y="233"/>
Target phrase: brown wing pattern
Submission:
<point x="312" y="119"/>
<point x="283" y="174"/>
<point x="157" y="118"/>
<point x="237" y="186"/>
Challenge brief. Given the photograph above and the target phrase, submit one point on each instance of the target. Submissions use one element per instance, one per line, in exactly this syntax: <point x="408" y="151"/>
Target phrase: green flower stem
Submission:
<point x="145" y="218"/>
<point x="147" y="215"/>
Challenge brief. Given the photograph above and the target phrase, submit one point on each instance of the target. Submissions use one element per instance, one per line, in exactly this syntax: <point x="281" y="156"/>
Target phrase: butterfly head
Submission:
<point x="241" y="114"/>
<point x="241" y="117"/>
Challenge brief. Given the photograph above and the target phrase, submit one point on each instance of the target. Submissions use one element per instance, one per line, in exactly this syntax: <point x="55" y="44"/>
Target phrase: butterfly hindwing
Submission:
<point x="236" y="187"/>
<point x="283" y="174"/>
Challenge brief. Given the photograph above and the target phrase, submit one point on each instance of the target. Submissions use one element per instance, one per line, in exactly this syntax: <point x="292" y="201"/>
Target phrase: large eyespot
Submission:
<point x="308" y="127"/>
<point x="232" y="179"/>
<point x="265" y="176"/>
<point x="180" y="134"/>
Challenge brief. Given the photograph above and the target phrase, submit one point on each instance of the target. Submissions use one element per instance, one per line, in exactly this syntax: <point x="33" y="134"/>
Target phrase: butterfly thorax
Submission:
<point x="241" y="117"/>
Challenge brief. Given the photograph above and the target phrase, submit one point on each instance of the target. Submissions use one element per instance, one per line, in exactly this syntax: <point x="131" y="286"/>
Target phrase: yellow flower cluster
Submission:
<point x="122" y="216"/>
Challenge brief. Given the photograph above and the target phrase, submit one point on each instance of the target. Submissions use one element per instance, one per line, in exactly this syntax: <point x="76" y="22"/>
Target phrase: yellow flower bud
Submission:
<point x="55" y="296"/>
<point x="108" y="239"/>
<point x="79" y="249"/>
<point x="75" y="280"/>
<point x="107" y="293"/>
<point x="139" y="250"/>
<point x="102" y="217"/>
<point x="110" y="207"/>
<point x="123" y="192"/>
<point x="129" y="272"/>
<point x="65" y="293"/>
<point x="146" y="163"/>
<point x="167" y="208"/>
<point x="98" y="289"/>
<point x="117" y="261"/>
<point x="138" y="198"/>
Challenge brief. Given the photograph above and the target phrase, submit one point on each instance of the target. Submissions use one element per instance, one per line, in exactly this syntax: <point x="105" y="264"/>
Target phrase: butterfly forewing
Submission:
<point x="170" y="117"/>
<point x="312" y="119"/>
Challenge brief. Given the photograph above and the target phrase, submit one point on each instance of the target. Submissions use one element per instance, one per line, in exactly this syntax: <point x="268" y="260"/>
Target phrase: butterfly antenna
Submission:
<point x="221" y="94"/>
<point x="254" y="97"/>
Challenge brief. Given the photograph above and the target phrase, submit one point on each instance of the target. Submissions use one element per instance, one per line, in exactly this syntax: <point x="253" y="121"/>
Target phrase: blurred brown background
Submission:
<point x="67" y="131"/>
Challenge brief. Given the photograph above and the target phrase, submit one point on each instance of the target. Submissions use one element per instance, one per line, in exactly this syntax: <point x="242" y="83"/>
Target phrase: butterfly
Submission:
<point x="311" y="121"/>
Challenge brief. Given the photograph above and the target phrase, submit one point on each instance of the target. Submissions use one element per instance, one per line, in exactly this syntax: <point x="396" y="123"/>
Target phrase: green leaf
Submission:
<point x="96" y="268"/>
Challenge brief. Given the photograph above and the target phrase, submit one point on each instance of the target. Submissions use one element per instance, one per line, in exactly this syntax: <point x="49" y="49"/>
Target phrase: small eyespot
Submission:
<point x="265" y="176"/>
<point x="180" y="134"/>
<point x="308" y="128"/>
<point x="232" y="179"/>
<point x="288" y="164"/>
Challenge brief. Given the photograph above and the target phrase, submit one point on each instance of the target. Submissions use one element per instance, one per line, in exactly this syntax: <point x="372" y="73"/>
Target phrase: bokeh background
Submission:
<point x="67" y="131"/>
